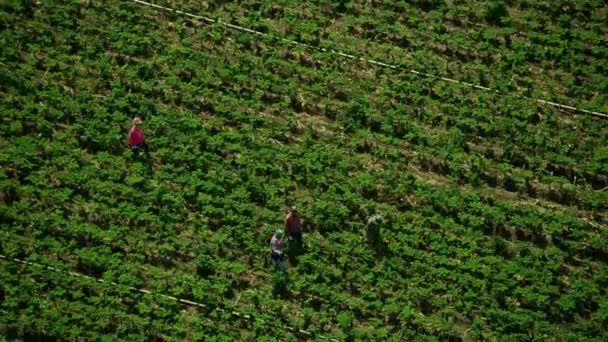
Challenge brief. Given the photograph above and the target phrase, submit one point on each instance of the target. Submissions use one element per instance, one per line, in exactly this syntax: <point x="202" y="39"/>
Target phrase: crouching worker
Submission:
<point x="277" y="255"/>
<point x="136" y="137"/>
<point x="374" y="223"/>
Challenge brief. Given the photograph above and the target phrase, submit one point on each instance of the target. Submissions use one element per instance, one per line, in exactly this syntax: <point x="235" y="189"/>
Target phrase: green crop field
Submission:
<point x="479" y="129"/>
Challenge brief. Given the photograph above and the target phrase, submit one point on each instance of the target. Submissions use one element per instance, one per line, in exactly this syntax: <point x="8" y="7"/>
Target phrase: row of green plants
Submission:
<point x="498" y="57"/>
<point x="194" y="221"/>
<point x="465" y="129"/>
<point x="38" y="304"/>
<point x="471" y="129"/>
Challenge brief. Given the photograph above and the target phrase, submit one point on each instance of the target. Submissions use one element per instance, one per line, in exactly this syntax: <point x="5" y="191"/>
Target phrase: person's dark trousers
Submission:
<point x="297" y="238"/>
<point x="136" y="151"/>
<point x="28" y="6"/>
<point x="138" y="148"/>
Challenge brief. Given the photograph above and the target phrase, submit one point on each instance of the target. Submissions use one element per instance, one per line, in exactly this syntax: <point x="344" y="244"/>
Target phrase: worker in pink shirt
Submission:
<point x="136" y="137"/>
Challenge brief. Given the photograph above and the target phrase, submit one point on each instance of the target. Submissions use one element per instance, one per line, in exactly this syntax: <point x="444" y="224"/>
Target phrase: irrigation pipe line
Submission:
<point x="370" y="61"/>
<point x="179" y="300"/>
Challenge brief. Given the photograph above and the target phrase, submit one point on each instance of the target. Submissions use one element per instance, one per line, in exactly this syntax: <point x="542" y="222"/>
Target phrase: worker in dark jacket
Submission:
<point x="293" y="227"/>
<point x="374" y="223"/>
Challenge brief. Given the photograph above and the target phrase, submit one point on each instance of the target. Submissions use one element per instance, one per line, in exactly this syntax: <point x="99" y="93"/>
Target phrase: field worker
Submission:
<point x="373" y="229"/>
<point x="136" y="137"/>
<point x="293" y="227"/>
<point x="277" y="245"/>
